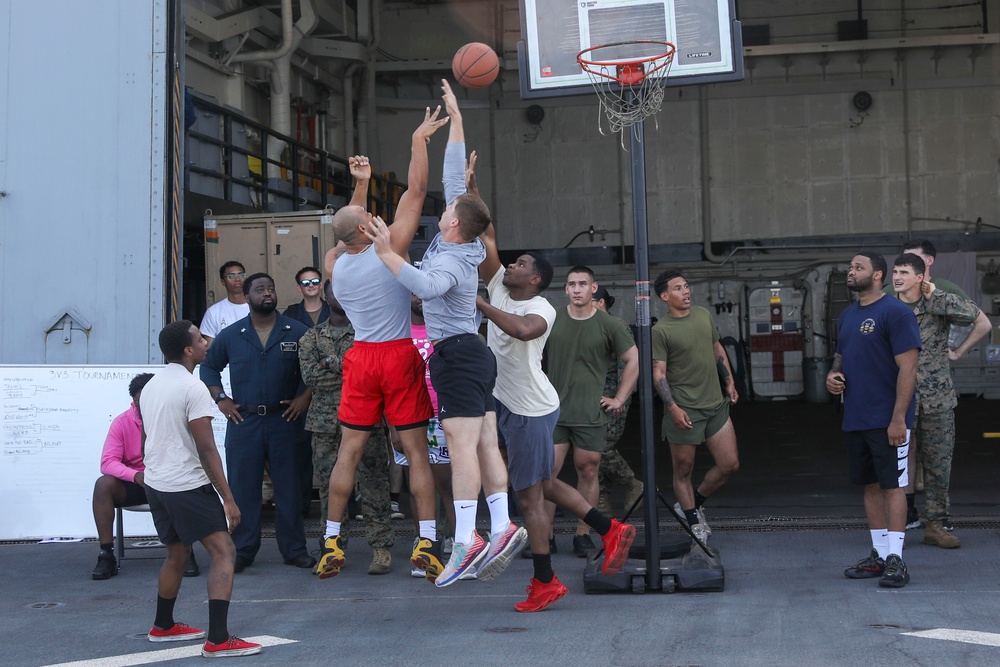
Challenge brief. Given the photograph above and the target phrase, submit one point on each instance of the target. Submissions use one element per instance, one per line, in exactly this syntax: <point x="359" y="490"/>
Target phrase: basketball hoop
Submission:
<point x="629" y="80"/>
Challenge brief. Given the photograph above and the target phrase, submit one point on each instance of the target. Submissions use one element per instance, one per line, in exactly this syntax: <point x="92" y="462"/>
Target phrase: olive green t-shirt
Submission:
<point x="579" y="353"/>
<point x="686" y="344"/>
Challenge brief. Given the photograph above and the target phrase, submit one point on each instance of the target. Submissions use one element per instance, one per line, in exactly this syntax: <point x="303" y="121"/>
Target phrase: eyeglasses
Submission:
<point x="310" y="281"/>
<point x="234" y="276"/>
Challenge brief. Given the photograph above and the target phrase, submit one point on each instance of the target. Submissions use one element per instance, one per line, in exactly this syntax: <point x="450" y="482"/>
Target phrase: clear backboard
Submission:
<point x="705" y="32"/>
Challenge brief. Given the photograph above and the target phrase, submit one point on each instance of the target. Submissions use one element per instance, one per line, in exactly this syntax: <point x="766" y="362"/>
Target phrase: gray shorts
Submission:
<point x="530" y="451"/>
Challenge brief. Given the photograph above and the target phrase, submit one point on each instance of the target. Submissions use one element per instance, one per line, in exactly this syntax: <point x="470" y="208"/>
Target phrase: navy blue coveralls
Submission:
<point x="261" y="378"/>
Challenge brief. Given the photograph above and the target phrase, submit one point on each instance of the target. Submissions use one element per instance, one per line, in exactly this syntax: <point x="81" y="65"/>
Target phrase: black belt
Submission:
<point x="264" y="410"/>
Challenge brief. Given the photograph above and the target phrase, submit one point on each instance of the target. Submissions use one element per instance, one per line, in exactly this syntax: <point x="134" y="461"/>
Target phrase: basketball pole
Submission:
<point x="654" y="578"/>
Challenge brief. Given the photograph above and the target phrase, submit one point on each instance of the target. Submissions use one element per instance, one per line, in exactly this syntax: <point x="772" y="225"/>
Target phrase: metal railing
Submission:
<point x="310" y="179"/>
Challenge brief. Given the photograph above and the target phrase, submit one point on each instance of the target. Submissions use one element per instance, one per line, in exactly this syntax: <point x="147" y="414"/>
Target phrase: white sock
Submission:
<point x="499" y="516"/>
<point x="895" y="543"/>
<point x="428" y="529"/>
<point x="332" y="529"/>
<point x="880" y="542"/>
<point x="465" y="520"/>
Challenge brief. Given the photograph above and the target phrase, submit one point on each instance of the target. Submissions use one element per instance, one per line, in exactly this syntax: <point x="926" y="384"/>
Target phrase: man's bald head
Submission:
<point x="346" y="222"/>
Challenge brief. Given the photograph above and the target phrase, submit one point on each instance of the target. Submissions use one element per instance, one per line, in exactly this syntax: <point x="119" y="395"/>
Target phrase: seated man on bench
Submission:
<point x="120" y="483"/>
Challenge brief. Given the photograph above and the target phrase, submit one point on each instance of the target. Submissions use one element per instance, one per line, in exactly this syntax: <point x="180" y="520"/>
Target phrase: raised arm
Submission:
<point x="522" y="327"/>
<point x="362" y="173"/>
<point x="411" y="204"/>
<point x="454" y="153"/>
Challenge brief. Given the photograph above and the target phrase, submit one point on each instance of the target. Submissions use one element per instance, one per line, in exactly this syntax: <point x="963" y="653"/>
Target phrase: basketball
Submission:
<point x="475" y="65"/>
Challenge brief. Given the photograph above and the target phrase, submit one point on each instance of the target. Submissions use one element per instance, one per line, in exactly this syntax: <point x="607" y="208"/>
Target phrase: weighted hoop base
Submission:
<point x="684" y="569"/>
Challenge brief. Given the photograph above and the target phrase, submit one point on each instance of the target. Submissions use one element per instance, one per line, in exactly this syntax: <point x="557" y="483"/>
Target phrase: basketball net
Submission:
<point x="628" y="92"/>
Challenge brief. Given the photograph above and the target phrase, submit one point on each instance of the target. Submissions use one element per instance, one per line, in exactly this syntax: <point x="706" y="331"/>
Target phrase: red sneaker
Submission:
<point x="617" y="542"/>
<point x="231" y="648"/>
<point x="542" y="595"/>
<point x="178" y="633"/>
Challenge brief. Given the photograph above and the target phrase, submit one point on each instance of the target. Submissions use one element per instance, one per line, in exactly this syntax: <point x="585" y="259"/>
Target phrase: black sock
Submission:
<point x="164" y="613"/>
<point x="910" y="503"/>
<point x="691" y="516"/>
<point x="394" y="497"/>
<point x="543" y="567"/>
<point x="599" y="522"/>
<point x="699" y="500"/>
<point x="110" y="546"/>
<point x="218" y="621"/>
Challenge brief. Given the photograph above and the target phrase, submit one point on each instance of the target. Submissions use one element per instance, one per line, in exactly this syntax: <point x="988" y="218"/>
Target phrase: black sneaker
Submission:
<point x="866" y="568"/>
<point x="583" y="546"/>
<point x="526" y="551"/>
<point x="192" y="569"/>
<point x="946" y="524"/>
<point x="895" y="575"/>
<point x="912" y="518"/>
<point x="106" y="567"/>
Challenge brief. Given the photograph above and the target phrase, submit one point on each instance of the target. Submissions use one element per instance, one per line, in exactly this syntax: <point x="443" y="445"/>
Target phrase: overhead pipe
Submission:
<point x="706" y="189"/>
<point x="287" y="38"/>
<point x="349" y="108"/>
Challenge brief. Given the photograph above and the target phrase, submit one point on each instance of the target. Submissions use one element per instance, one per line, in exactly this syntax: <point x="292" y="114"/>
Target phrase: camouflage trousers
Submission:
<point x="935" y="436"/>
<point x="372" y="479"/>
<point x="614" y="470"/>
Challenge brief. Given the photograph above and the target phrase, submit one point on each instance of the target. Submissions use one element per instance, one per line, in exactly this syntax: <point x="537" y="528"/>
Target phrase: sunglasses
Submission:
<point x="310" y="281"/>
<point x="234" y="276"/>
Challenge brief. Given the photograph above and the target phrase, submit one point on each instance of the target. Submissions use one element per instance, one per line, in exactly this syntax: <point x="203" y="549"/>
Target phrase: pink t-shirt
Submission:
<point x="426" y="349"/>
<point x="122" y="455"/>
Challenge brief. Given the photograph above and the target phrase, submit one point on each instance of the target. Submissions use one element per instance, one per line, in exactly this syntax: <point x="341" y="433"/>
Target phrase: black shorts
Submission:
<point x="463" y="372"/>
<point x="872" y="459"/>
<point x="186" y="516"/>
<point x="134" y="494"/>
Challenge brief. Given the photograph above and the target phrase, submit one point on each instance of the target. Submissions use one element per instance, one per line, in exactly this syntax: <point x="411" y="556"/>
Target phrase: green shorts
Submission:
<point x="704" y="424"/>
<point x="589" y="438"/>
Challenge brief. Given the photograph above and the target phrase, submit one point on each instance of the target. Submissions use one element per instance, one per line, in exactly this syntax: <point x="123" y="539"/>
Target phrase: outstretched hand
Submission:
<point x="361" y="170"/>
<point x="470" y="175"/>
<point x="430" y="125"/>
<point x="378" y="232"/>
<point x="450" y="101"/>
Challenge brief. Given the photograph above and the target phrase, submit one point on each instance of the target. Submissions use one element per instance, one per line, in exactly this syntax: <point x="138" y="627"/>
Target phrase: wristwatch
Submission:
<point x="221" y="397"/>
<point x="326" y="362"/>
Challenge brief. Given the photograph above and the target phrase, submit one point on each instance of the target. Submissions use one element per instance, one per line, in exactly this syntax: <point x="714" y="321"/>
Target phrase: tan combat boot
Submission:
<point x="381" y="562"/>
<point x="936" y="535"/>
<point x="634" y="492"/>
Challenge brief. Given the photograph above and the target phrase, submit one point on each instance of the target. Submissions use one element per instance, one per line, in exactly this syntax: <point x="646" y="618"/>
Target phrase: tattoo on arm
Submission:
<point x="663" y="389"/>
<point x="720" y="364"/>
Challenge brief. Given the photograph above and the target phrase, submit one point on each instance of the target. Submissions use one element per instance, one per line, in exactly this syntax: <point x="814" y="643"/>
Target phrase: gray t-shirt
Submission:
<point x="377" y="304"/>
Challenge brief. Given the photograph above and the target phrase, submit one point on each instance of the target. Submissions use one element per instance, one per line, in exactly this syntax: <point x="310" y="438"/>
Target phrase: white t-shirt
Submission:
<point x="168" y="402"/>
<point x="220" y="315"/>
<point x="521" y="385"/>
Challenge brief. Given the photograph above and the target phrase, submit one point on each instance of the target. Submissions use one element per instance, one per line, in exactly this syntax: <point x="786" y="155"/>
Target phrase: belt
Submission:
<point x="264" y="410"/>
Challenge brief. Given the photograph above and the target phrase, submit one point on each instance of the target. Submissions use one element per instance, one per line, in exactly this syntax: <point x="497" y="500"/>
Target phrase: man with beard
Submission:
<point x="264" y="416"/>
<point x="878" y="344"/>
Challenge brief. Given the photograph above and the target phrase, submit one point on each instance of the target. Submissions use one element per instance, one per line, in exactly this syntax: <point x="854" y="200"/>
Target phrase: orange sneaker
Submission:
<point x="542" y="595"/>
<point x="617" y="542"/>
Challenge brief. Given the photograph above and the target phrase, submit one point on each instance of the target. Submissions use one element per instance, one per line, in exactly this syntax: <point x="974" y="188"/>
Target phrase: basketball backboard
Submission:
<point x="705" y="32"/>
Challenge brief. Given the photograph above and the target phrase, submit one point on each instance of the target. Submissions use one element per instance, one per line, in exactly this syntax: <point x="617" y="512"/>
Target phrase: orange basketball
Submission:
<point x="475" y="65"/>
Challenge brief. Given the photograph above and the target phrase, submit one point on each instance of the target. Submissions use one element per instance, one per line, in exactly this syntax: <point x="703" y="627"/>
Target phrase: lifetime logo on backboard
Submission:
<point x="699" y="54"/>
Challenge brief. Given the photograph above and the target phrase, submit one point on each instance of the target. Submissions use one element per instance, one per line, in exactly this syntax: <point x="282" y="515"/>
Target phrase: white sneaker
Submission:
<point x="447" y="545"/>
<point x="706" y="529"/>
<point x="394" y="512"/>
<point x="701" y="531"/>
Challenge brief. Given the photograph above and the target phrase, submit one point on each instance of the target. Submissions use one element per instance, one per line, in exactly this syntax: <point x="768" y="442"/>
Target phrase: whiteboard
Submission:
<point x="55" y="420"/>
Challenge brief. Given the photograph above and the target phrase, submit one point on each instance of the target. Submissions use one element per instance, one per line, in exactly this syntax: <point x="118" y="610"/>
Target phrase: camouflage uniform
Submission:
<point x="318" y="343"/>
<point x="614" y="469"/>
<point x="935" y="422"/>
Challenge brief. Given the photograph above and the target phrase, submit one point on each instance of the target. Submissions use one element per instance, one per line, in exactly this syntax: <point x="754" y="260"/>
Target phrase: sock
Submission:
<point x="394" y="497"/>
<point x="895" y="542"/>
<point x="110" y="546"/>
<point x="428" y="530"/>
<point x="699" y="500"/>
<point x="332" y="530"/>
<point x="691" y="516"/>
<point x="543" y="567"/>
<point x="218" y="619"/>
<point x="599" y="522"/>
<point x="164" y="613"/>
<point x="465" y="520"/>
<point x="499" y="512"/>
<point x="880" y="542"/>
<point x="911" y="501"/>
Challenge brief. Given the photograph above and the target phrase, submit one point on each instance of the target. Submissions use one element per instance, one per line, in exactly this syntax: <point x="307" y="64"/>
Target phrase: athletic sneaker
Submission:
<point x="700" y="512"/>
<point x="427" y="556"/>
<point x="946" y="524"/>
<point x="583" y="546"/>
<point x="447" y="544"/>
<point x="464" y="557"/>
<point x="331" y="559"/>
<point x="617" y="542"/>
<point x="416" y="572"/>
<point x="106" y="567"/>
<point x="394" y="512"/>
<point x="701" y="531"/>
<point x="866" y="568"/>
<point x="895" y="575"/>
<point x="178" y="633"/>
<point x="231" y="648"/>
<point x="504" y="547"/>
<point x="542" y="595"/>
<point x="912" y="518"/>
